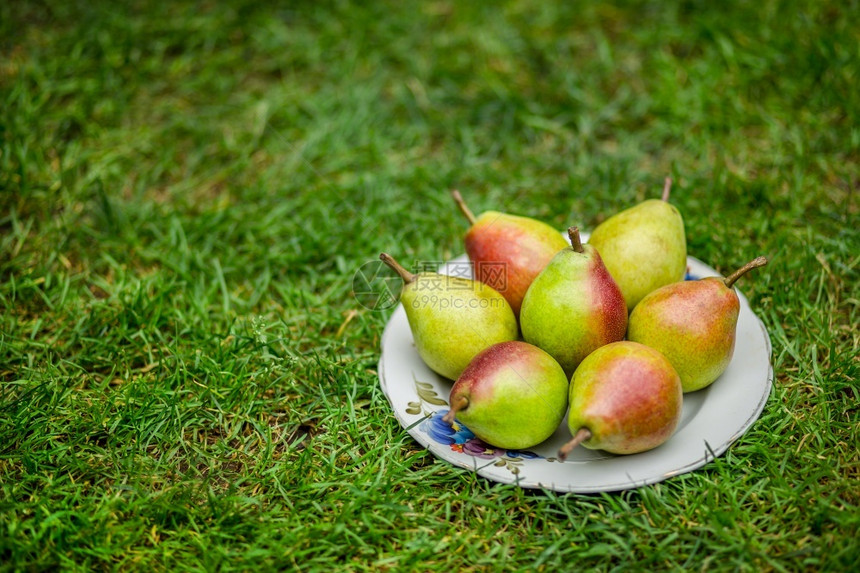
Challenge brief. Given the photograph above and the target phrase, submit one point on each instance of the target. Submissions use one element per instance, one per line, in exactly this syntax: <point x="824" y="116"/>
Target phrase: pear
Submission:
<point x="508" y="251"/>
<point x="513" y="395"/>
<point x="644" y="247"/>
<point x="625" y="398"/>
<point x="452" y="319"/>
<point x="574" y="306"/>
<point x="694" y="324"/>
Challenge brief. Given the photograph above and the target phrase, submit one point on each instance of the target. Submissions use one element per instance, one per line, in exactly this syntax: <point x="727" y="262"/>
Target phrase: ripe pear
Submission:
<point x="574" y="306"/>
<point x="694" y="324"/>
<point x="509" y="251"/>
<point x="625" y="398"/>
<point x="644" y="247"/>
<point x="513" y="395"/>
<point x="452" y="319"/>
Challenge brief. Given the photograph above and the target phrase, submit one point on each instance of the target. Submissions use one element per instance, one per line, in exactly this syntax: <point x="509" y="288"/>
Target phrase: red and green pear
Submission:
<point x="452" y="319"/>
<point x="625" y="398"/>
<point x="694" y="324"/>
<point x="644" y="247"/>
<point x="509" y="251"/>
<point x="574" y="306"/>
<point x="512" y="395"/>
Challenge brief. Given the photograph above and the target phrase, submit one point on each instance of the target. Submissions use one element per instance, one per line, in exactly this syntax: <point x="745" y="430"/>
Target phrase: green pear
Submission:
<point x="509" y="251"/>
<point x="574" y="306"/>
<point x="625" y="398"/>
<point x="452" y="319"/>
<point x="512" y="395"/>
<point x="644" y="247"/>
<point x="694" y="324"/>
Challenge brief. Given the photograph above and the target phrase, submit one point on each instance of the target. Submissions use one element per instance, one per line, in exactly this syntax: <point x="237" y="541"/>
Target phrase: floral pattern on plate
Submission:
<point x="461" y="440"/>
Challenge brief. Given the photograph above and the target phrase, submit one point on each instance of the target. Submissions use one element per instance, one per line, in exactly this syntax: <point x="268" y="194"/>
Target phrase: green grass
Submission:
<point x="187" y="189"/>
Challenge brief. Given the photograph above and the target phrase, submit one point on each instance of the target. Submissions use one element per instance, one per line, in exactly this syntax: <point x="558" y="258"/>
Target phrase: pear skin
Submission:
<point x="509" y="251"/>
<point x="452" y="319"/>
<point x="694" y="324"/>
<point x="644" y="247"/>
<point x="625" y="398"/>
<point x="574" y="306"/>
<point x="512" y="395"/>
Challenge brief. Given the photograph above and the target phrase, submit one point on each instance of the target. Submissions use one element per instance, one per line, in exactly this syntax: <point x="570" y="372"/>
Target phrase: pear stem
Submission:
<point x="457" y="404"/>
<point x="404" y="274"/>
<point x="667" y="188"/>
<point x="463" y="207"/>
<point x="753" y="264"/>
<point x="575" y="241"/>
<point x="581" y="435"/>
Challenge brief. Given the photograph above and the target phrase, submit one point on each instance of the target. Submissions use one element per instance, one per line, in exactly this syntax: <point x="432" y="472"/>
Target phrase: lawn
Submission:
<point x="187" y="189"/>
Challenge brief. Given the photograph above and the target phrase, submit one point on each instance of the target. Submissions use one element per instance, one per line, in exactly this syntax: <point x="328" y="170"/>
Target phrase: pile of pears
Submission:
<point x="607" y="332"/>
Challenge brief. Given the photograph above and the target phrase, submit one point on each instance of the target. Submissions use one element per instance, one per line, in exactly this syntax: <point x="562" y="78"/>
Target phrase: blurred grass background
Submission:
<point x="186" y="190"/>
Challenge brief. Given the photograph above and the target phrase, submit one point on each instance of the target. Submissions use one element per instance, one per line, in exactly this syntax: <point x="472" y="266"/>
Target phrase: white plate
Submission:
<point x="712" y="418"/>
